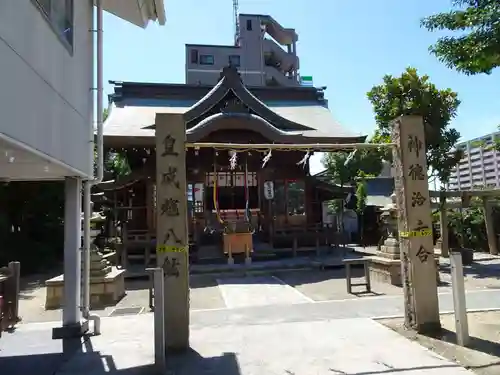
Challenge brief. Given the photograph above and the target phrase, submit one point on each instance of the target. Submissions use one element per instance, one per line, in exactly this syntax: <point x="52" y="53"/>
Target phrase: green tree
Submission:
<point x="411" y="94"/>
<point x="475" y="47"/>
<point x="361" y="197"/>
<point x="115" y="162"/>
<point x="343" y="168"/>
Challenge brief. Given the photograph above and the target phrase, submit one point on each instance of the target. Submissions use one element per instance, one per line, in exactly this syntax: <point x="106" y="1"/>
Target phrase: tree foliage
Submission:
<point x="115" y="162"/>
<point x="411" y="94"/>
<point x="476" y="46"/>
<point x="466" y="227"/>
<point x="361" y="195"/>
<point x="343" y="172"/>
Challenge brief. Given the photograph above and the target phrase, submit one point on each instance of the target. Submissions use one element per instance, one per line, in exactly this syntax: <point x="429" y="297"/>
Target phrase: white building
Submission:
<point x="47" y="88"/>
<point x="480" y="166"/>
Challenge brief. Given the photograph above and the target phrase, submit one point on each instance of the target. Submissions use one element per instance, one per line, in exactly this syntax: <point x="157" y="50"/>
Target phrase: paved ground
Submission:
<point x="482" y="354"/>
<point x="291" y="323"/>
<point x="276" y="288"/>
<point x="349" y="347"/>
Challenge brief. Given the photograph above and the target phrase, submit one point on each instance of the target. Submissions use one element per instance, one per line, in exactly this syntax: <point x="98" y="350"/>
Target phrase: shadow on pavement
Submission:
<point x="193" y="363"/>
<point x="477" y="270"/>
<point x="37" y="359"/>
<point x="476" y="343"/>
<point x="394" y="370"/>
<point x="80" y="358"/>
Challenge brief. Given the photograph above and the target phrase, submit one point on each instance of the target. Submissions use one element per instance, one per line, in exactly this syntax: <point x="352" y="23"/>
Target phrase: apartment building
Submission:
<point x="480" y="165"/>
<point x="48" y="88"/>
<point x="264" y="52"/>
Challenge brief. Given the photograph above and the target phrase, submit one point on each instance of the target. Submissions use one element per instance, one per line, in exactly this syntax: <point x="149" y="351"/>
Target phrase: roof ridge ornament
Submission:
<point x="230" y="72"/>
<point x="231" y="81"/>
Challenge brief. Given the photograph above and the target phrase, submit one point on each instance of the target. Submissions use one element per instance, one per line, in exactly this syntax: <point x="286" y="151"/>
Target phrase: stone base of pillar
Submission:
<point x="390" y="249"/>
<point x="248" y="261"/>
<point x="70" y="331"/>
<point x="105" y="290"/>
<point x="430" y="329"/>
<point x="230" y="261"/>
<point x="385" y="270"/>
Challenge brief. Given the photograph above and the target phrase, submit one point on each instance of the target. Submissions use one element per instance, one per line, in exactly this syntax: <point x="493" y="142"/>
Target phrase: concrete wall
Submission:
<point x="251" y="52"/>
<point x="45" y="84"/>
<point x="197" y="73"/>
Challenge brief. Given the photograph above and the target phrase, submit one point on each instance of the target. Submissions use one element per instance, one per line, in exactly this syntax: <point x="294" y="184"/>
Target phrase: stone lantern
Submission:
<point x="107" y="283"/>
<point x="390" y="248"/>
<point x="385" y="266"/>
<point x="99" y="264"/>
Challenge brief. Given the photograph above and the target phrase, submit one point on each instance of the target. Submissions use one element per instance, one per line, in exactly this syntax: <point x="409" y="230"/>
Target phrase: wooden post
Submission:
<point x="172" y="234"/>
<point x="124" y="245"/>
<point x="415" y="225"/>
<point x="271" y="235"/>
<point x="317" y="245"/>
<point x="443" y="222"/>
<point x="147" y="250"/>
<point x="230" y="259"/>
<point x="294" y="245"/>
<point x="490" y="229"/>
<point x="248" y="259"/>
<point x="14" y="282"/>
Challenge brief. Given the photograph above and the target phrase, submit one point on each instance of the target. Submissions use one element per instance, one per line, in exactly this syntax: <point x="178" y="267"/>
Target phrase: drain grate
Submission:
<point x="127" y="311"/>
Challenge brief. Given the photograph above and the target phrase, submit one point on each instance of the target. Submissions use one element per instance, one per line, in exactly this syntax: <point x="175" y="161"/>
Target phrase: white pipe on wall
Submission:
<point x="99" y="160"/>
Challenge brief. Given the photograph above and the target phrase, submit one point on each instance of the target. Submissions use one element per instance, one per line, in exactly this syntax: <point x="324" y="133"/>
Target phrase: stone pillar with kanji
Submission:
<point x="172" y="251"/>
<point x="415" y="225"/>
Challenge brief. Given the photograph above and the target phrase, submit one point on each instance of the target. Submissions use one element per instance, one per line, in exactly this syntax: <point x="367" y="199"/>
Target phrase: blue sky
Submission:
<point x="345" y="45"/>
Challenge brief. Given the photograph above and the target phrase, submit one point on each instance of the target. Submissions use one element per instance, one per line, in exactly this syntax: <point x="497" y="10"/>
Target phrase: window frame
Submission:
<point x="194" y="56"/>
<point x="231" y="63"/>
<point x="201" y="62"/>
<point x="69" y="17"/>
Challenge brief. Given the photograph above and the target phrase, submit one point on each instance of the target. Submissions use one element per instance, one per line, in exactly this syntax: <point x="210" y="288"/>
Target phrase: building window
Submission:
<point x="234" y="60"/>
<point x="206" y="59"/>
<point x="59" y="13"/>
<point x="194" y="56"/>
<point x="249" y="25"/>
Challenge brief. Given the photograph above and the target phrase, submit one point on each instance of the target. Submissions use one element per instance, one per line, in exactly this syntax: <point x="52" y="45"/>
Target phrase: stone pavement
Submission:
<point x="258" y="291"/>
<point x="301" y="298"/>
<point x="210" y="292"/>
<point x="345" y="346"/>
<point x="303" y="319"/>
<point x="482" y="354"/>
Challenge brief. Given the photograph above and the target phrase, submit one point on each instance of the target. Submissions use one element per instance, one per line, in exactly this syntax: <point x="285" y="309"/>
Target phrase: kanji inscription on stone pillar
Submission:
<point x="172" y="251"/>
<point x="415" y="225"/>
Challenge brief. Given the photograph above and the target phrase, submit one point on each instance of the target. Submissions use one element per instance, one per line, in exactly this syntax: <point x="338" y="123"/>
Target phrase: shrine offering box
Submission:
<point x="238" y="243"/>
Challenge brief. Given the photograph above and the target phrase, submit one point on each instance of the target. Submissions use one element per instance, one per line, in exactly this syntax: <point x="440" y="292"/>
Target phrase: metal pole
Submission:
<point x="458" y="289"/>
<point x="99" y="160"/>
<point x="159" y="319"/>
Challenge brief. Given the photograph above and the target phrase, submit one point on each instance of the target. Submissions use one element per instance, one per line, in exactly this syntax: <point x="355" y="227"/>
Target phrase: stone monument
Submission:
<point x="172" y="252"/>
<point x="418" y="268"/>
